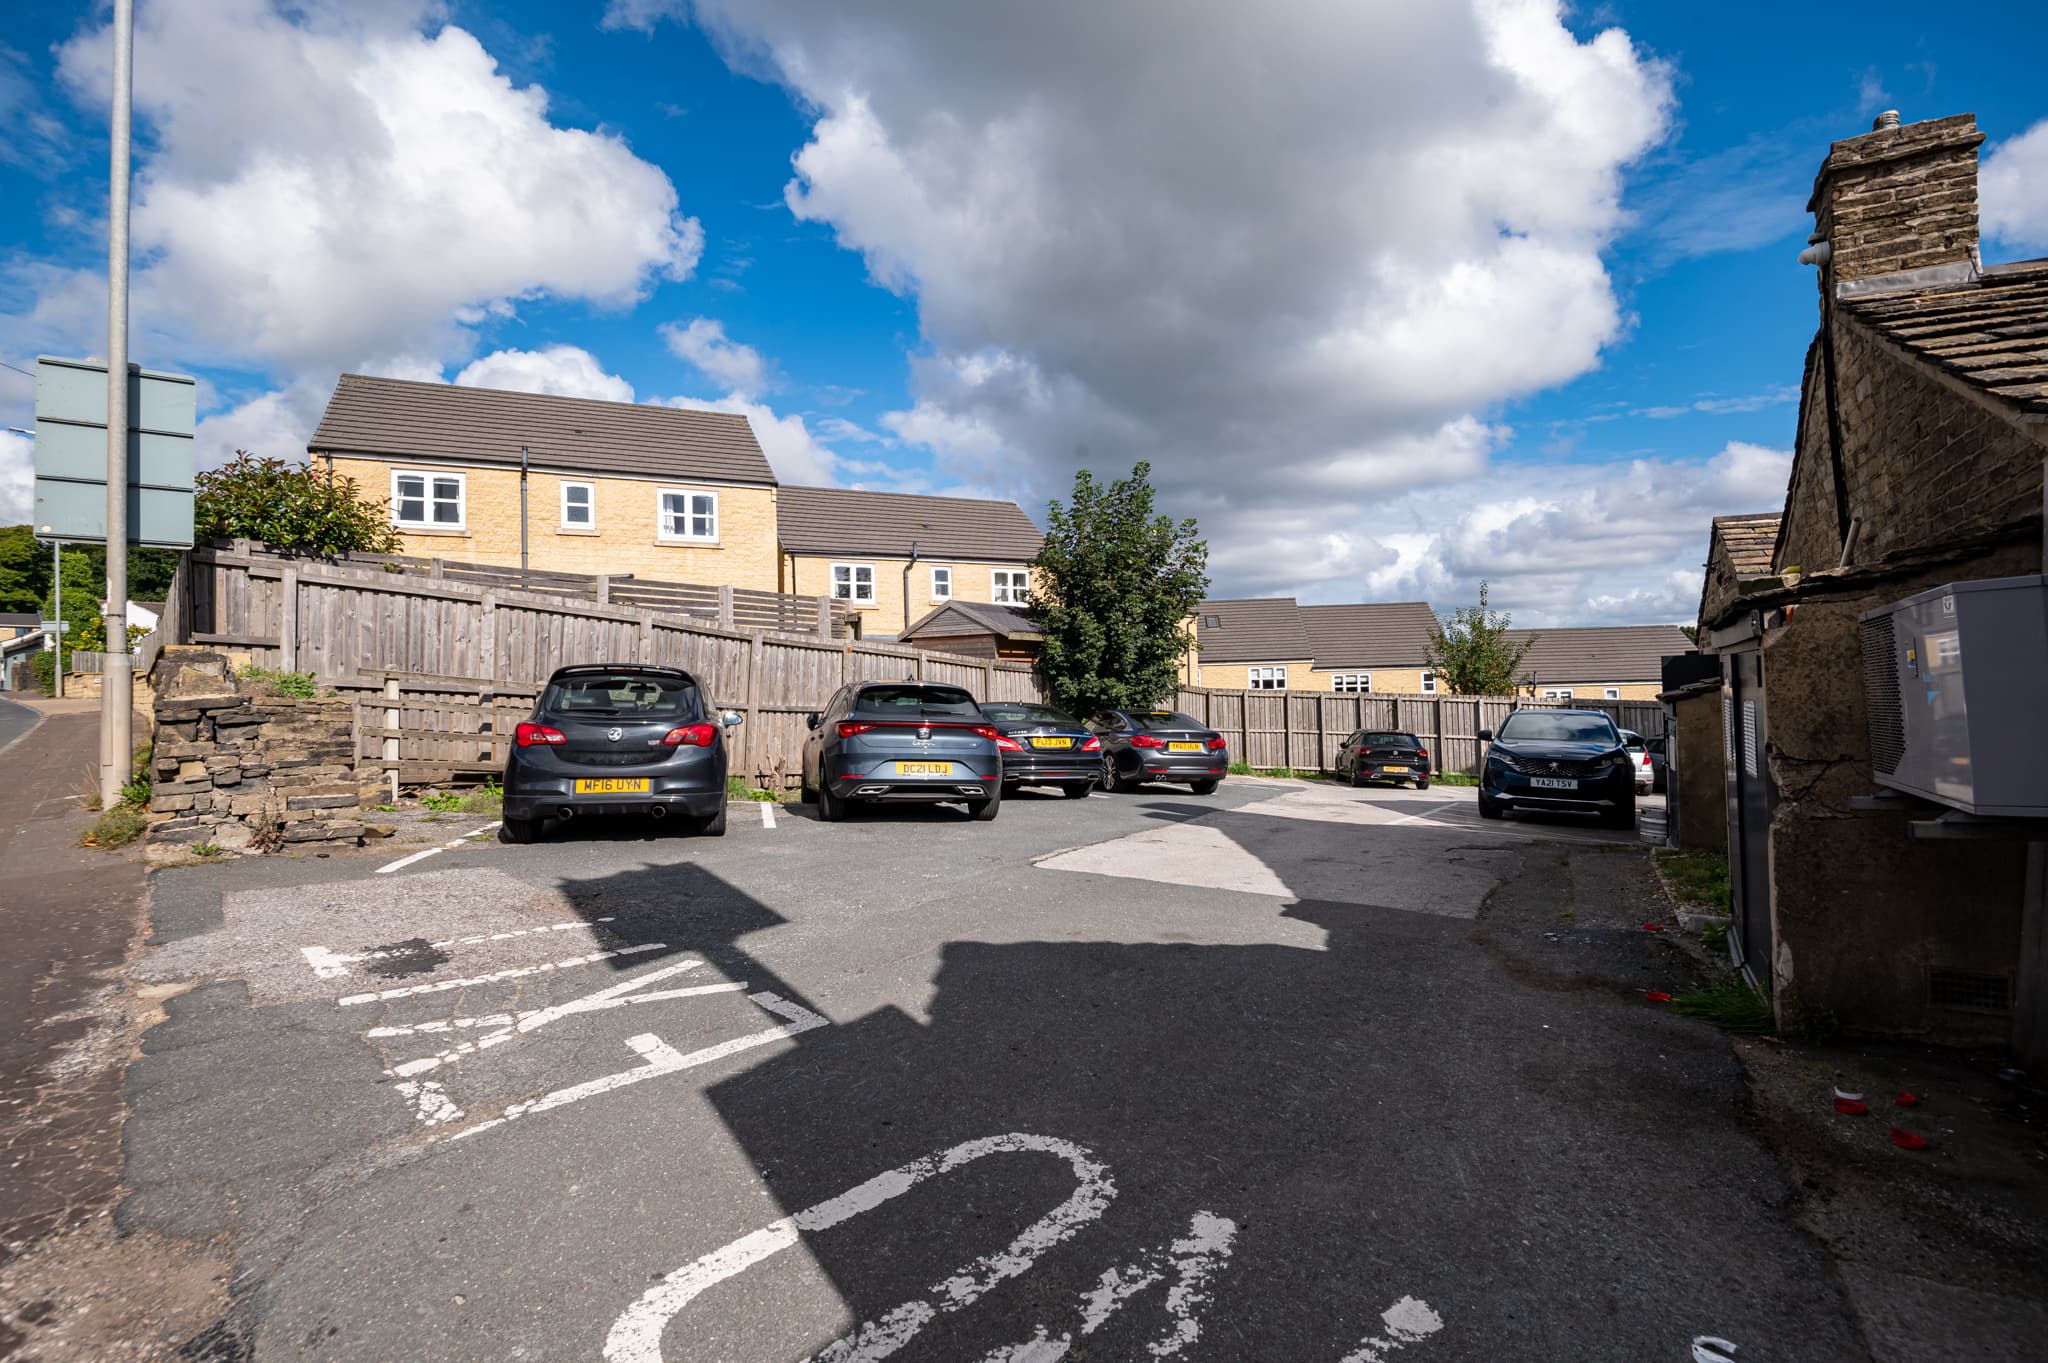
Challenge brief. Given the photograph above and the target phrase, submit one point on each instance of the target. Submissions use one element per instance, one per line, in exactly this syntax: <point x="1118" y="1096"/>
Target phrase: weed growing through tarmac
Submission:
<point x="1454" y="778"/>
<point x="1715" y="936"/>
<point x="1728" y="1003"/>
<point x="118" y="827"/>
<point x="736" y="788"/>
<point x="208" y="850"/>
<point x="1240" y="769"/>
<point x="442" y="801"/>
<point x="1696" y="877"/>
<point x="488" y="799"/>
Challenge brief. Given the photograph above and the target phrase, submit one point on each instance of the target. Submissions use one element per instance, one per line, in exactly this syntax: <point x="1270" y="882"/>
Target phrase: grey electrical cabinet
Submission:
<point x="1956" y="680"/>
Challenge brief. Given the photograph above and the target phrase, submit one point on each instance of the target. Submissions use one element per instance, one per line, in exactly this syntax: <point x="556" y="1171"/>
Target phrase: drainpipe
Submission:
<point x="522" y="512"/>
<point x="906" y="585"/>
<point x="1819" y="252"/>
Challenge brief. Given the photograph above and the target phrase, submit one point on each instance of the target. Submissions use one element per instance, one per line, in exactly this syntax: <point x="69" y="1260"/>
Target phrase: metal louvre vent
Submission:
<point x="1968" y="991"/>
<point x="1881" y="694"/>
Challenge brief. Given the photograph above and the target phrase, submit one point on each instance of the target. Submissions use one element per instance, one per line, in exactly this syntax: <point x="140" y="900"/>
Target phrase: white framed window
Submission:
<point x="687" y="515"/>
<point x="1359" y="682"/>
<point x="854" y="582"/>
<point x="1267" y="678"/>
<point x="942" y="584"/>
<point x="579" y="506"/>
<point x="1557" y="693"/>
<point x="1611" y="693"/>
<point x="431" y="501"/>
<point x="1429" y="683"/>
<point x="1012" y="586"/>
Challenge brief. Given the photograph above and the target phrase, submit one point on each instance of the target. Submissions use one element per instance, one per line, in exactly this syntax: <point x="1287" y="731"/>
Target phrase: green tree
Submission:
<point x="289" y="507"/>
<point x="24" y="569"/>
<point x="1112" y="590"/>
<point x="1471" y="654"/>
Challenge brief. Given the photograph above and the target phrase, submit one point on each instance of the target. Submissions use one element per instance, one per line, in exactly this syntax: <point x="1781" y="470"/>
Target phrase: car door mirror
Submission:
<point x="1486" y="735"/>
<point x="811" y="720"/>
<point x="732" y="717"/>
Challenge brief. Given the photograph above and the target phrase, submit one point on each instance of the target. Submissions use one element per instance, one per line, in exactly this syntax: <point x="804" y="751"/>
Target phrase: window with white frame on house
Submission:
<point x="432" y="501"/>
<point x="942" y="584"/>
<point x="1012" y="586"/>
<point x="1351" y="681"/>
<point x="687" y="515"/>
<point x="1557" y="693"/>
<point x="1612" y="693"/>
<point x="579" y="506"/>
<point x="854" y="582"/>
<point x="1429" y="683"/>
<point x="1267" y="678"/>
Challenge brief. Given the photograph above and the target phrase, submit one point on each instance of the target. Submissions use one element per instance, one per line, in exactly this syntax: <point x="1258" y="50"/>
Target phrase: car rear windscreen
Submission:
<point x="916" y="701"/>
<point x="1389" y="741"/>
<point x="630" y="694"/>
<point x="1014" y="713"/>
<point x="1165" y="719"/>
<point x="1534" y="724"/>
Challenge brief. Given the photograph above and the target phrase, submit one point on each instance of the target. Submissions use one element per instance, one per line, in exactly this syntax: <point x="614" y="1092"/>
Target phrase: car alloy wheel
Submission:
<point x="1108" y="779"/>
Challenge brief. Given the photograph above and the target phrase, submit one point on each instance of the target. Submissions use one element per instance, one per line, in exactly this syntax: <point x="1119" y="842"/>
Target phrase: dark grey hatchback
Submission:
<point x="901" y="741"/>
<point x="617" y="739"/>
<point x="1159" y="745"/>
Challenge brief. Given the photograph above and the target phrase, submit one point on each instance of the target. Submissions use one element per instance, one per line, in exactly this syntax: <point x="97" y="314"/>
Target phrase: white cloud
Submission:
<point x="1296" y="256"/>
<point x="17" y="478"/>
<point x="2012" y="190"/>
<point x="796" y="455"/>
<point x="327" y="184"/>
<point x="703" y="344"/>
<point x="272" y="425"/>
<point x="641" y="14"/>
<point x="564" y="370"/>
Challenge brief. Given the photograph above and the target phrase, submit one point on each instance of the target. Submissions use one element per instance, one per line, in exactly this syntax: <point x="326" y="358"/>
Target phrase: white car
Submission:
<point x="1639" y="754"/>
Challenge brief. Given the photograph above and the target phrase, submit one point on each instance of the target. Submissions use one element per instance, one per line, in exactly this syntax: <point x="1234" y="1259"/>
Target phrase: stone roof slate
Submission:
<point x="1749" y="541"/>
<point x="832" y="520"/>
<point x="1990" y="332"/>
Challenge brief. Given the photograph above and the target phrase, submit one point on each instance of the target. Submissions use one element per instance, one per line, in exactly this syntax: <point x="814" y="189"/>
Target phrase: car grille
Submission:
<point x="1531" y="766"/>
<point x="605" y="758"/>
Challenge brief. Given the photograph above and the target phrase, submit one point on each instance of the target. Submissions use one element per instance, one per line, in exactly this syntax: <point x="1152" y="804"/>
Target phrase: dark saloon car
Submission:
<point x="1159" y="745"/>
<point x="1568" y="761"/>
<point x="894" y="742"/>
<point x="1384" y="755"/>
<point x="1044" y="746"/>
<point x="611" y="738"/>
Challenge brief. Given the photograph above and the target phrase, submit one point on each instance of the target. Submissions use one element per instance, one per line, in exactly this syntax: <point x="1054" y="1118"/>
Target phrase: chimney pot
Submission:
<point x="1888" y="119"/>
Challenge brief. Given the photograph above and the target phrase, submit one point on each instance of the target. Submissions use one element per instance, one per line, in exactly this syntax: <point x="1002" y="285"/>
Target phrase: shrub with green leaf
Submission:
<point x="290" y="507"/>
<point x="295" y="685"/>
<point x="1471" y="654"/>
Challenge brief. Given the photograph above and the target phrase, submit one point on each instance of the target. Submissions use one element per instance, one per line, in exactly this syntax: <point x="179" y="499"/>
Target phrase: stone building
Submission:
<point x="1922" y="431"/>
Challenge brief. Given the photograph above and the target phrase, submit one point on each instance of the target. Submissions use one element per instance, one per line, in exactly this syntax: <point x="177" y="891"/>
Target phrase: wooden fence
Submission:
<point x="442" y="667"/>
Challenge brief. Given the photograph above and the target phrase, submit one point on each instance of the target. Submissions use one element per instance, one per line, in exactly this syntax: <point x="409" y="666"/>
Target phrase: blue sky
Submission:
<point x="1393" y="299"/>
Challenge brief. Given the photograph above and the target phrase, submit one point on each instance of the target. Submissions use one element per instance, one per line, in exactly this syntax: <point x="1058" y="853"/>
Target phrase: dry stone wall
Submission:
<point x="244" y="770"/>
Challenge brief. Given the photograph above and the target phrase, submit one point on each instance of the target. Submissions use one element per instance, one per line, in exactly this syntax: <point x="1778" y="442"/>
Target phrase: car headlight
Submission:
<point x="1496" y="755"/>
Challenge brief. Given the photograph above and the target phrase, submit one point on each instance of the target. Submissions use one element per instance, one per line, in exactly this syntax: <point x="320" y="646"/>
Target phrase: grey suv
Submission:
<point x="901" y="741"/>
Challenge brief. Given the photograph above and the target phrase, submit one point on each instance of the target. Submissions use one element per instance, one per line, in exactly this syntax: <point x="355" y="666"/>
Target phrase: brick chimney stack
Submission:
<point x="1899" y="198"/>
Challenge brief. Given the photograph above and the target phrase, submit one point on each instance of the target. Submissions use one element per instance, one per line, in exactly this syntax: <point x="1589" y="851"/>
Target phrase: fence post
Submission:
<point x="604" y="589"/>
<point x="391" y="732"/>
<point x="725" y="607"/>
<point x="1322" y="743"/>
<point x="647" y="654"/>
<point x="751" y="706"/>
<point x="433" y="570"/>
<point x="288" y="623"/>
<point x="824" y="617"/>
<point x="487" y="633"/>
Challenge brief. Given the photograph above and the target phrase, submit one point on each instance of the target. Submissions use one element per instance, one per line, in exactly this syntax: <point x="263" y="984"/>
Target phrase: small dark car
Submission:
<point x="1567" y="761"/>
<point x="1044" y="746"/>
<point x="617" y="738"/>
<point x="1384" y="755"/>
<point x="901" y="741"/>
<point x="1159" y="745"/>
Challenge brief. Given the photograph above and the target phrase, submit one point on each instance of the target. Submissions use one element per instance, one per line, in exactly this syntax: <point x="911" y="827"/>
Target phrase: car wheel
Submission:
<point x="1489" y="808"/>
<point x="520" y="830"/>
<point x="1077" y="792"/>
<point x="714" y="826"/>
<point x="806" y="792"/>
<point x="984" y="810"/>
<point x="1357" y="779"/>
<point x="1205" y="787"/>
<point x="831" y="809"/>
<point x="1422" y="785"/>
<point x="1112" y="780"/>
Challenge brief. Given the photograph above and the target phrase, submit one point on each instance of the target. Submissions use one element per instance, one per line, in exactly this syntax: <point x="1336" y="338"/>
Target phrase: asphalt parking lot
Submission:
<point x="1285" y="1072"/>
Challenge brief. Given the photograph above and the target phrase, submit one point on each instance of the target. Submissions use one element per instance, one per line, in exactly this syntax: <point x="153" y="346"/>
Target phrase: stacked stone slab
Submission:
<point x="242" y="769"/>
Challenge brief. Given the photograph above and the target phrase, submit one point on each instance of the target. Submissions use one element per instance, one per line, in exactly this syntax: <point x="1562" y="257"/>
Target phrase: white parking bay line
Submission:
<point x="404" y="862"/>
<point x="767" y="814"/>
<point x="332" y="965"/>
<point x="516" y="972"/>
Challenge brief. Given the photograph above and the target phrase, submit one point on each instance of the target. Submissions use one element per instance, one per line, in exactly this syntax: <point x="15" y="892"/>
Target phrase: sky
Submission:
<point x="1394" y="298"/>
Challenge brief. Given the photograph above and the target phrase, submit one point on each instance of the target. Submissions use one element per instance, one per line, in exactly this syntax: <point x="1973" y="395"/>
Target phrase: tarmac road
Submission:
<point x="1281" y="1073"/>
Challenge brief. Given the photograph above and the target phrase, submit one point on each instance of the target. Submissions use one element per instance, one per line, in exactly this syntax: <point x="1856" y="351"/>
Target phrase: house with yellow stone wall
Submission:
<point x="1598" y="662"/>
<point x="1277" y="644"/>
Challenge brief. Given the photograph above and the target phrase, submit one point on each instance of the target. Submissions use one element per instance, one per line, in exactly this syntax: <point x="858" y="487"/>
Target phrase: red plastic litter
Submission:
<point x="1906" y="1099"/>
<point x="1850" y="1107"/>
<point x="1656" y="996"/>
<point x="1906" y="1140"/>
<point x="1653" y="927"/>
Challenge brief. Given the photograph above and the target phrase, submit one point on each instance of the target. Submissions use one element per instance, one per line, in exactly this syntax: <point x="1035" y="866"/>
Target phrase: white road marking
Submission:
<point x="767" y="814"/>
<point x="430" y="1103"/>
<point x="1408" y="1321"/>
<point x="404" y="862"/>
<point x="329" y="965"/>
<point x="516" y="972"/>
<point x="636" y="1336"/>
<point x="663" y="1059"/>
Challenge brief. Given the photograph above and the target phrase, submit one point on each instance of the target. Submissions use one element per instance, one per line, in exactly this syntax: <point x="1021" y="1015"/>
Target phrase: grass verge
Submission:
<point x="1729" y="1003"/>
<point x="1696" y="877"/>
<point x="736" y="788"/>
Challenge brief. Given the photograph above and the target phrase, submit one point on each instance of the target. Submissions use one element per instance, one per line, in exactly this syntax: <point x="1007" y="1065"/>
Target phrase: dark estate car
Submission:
<point x="901" y="741"/>
<point x="1159" y="745"/>
<point x="1569" y="761"/>
<point x="617" y="739"/>
<point x="1384" y="755"/>
<point x="1044" y="746"/>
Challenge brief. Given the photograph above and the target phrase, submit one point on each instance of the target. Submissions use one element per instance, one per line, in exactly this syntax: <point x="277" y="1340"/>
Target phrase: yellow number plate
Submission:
<point x="924" y="768"/>
<point x="1052" y="742"/>
<point x="1393" y="768"/>
<point x="1183" y="747"/>
<point x="612" y="785"/>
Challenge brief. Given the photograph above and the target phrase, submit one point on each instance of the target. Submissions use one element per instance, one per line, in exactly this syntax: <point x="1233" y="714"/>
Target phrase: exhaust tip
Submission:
<point x="566" y="812"/>
<point x="660" y="812"/>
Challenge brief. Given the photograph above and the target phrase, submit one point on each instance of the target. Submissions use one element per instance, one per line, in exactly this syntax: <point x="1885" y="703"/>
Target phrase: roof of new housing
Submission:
<point x="1600" y="653"/>
<point x="20" y="620"/>
<point x="833" y="520"/>
<point x="1751" y="540"/>
<point x="1988" y="332"/>
<point x="1370" y="634"/>
<point x="442" y="423"/>
<point x="956" y="618"/>
<point x="1264" y="629"/>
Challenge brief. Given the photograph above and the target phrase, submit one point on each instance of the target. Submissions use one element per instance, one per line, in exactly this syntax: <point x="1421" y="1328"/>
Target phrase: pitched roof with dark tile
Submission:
<point x="1750" y="541"/>
<point x="20" y="619"/>
<point x="1991" y="332"/>
<point x="833" y="520"/>
<point x="442" y="423"/>
<point x="973" y="617"/>
<point x="1601" y="653"/>
<point x="1370" y="634"/>
<point x="1260" y="630"/>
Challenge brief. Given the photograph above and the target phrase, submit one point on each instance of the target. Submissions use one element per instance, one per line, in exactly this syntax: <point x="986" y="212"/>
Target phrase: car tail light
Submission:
<point x="1008" y="744"/>
<point x="1092" y="745"/>
<point x="1146" y="741"/>
<point x="849" y="727"/>
<point x="1422" y="752"/>
<point x="988" y="731"/>
<point x="537" y="735"/>
<point x="690" y="736"/>
<point x="1218" y="742"/>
